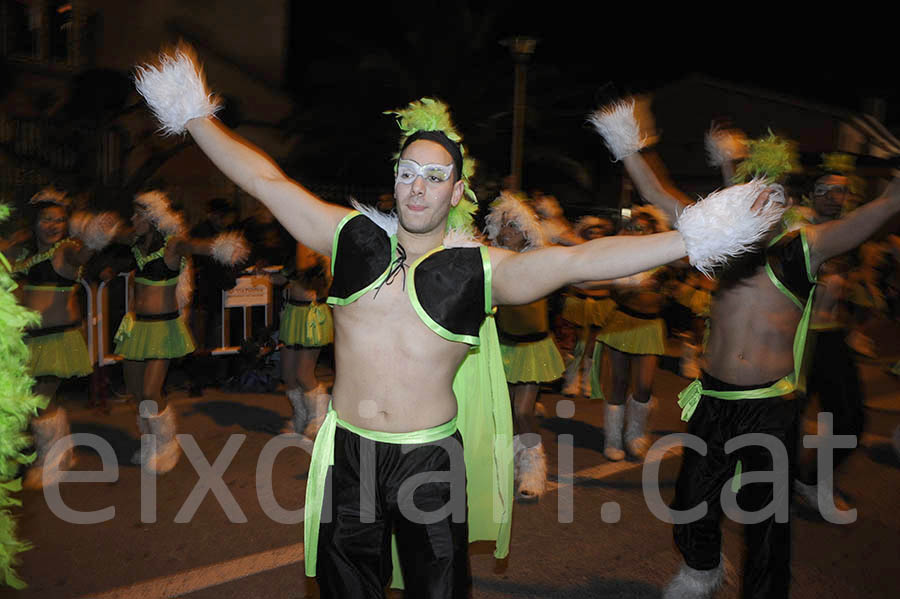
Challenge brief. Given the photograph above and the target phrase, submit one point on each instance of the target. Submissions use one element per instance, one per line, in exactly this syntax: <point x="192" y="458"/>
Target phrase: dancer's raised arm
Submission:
<point x="625" y="137"/>
<point x="175" y="89"/>
<point x="839" y="236"/>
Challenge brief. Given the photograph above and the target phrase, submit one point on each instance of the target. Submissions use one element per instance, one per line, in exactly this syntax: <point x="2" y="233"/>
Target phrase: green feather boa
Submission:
<point x="17" y="406"/>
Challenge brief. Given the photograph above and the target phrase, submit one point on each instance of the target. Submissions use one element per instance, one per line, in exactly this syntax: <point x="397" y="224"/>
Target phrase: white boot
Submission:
<point x="695" y="584"/>
<point x="317" y="407"/>
<point x="572" y="388"/>
<point x="613" y="419"/>
<point x="160" y="452"/>
<point x="300" y="417"/>
<point x="587" y="368"/>
<point x="636" y="441"/>
<point x="816" y="498"/>
<point x="531" y="471"/>
<point x="144" y="429"/>
<point x="51" y="432"/>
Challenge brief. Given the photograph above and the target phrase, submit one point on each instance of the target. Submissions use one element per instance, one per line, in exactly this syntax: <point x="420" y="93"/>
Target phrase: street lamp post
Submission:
<point x="521" y="49"/>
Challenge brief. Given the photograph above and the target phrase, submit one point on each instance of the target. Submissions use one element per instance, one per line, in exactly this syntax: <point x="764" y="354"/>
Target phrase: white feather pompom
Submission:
<point x="230" y="248"/>
<point x="724" y="226"/>
<point x="175" y="89"/>
<point x="725" y="145"/>
<point x="386" y="220"/>
<point x="460" y="238"/>
<point x="94" y="231"/>
<point x="620" y="128"/>
<point x="78" y="224"/>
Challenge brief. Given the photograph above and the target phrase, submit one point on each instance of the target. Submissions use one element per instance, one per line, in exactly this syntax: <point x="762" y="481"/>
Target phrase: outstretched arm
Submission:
<point x="175" y="90"/>
<point x="528" y="276"/>
<point x="836" y="237"/>
<point x="228" y="248"/>
<point x="94" y="231"/>
<point x="311" y="221"/>
<point x="663" y="195"/>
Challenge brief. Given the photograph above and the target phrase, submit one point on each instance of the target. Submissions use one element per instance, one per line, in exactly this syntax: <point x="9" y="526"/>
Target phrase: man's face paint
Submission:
<point x="408" y="170"/>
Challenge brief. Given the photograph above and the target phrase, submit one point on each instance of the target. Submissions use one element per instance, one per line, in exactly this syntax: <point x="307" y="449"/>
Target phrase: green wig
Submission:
<point x="769" y="158"/>
<point x="429" y="114"/>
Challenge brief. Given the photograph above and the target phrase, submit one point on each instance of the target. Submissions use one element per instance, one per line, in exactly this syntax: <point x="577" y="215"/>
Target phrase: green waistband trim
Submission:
<point x="152" y="283"/>
<point x="428" y="435"/>
<point x="689" y="398"/>
<point x="323" y="458"/>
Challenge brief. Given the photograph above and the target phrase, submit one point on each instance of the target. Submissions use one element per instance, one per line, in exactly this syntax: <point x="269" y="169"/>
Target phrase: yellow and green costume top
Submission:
<point x="787" y="263"/>
<point x="154" y="336"/>
<point x="450" y="290"/>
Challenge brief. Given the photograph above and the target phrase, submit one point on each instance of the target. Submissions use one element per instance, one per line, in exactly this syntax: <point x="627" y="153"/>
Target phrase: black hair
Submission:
<point x="441" y="138"/>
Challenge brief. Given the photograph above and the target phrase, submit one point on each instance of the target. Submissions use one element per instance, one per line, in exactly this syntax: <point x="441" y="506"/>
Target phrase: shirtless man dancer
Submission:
<point x="758" y="322"/>
<point x="407" y="310"/>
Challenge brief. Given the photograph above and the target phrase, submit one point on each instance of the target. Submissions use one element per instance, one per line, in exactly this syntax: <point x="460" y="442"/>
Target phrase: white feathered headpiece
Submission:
<point x="50" y="195"/>
<point x="509" y="208"/>
<point x="157" y="208"/>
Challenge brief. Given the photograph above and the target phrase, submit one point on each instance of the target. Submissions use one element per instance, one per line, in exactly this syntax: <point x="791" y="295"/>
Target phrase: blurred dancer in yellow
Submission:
<point x="306" y="327"/>
<point x="48" y="269"/>
<point x="530" y="355"/>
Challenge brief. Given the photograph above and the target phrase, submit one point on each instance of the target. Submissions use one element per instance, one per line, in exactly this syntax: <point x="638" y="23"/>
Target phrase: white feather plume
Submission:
<point x="725" y="145"/>
<point x="174" y="88"/>
<point x="724" y="226"/>
<point x="460" y="238"/>
<point x="229" y="248"/>
<point x="385" y="220"/>
<point x="620" y="129"/>
<point x="78" y="223"/>
<point x="94" y="231"/>
<point x="50" y="195"/>
<point x="156" y="205"/>
<point x="184" y="290"/>
<point x="508" y="208"/>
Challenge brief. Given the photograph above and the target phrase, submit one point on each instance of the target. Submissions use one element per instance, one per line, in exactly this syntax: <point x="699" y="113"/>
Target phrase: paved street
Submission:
<point x="592" y="535"/>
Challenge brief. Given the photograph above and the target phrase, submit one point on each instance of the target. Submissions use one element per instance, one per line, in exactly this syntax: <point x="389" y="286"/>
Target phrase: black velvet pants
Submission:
<point x="834" y="379"/>
<point x="766" y="569"/>
<point x="377" y="488"/>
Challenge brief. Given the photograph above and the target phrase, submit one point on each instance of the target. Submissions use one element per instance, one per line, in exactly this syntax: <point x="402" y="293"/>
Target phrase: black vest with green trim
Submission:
<point x="448" y="287"/>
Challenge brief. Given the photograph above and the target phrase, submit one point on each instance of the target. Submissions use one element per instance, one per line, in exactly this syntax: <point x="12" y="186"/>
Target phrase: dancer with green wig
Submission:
<point x="751" y="364"/>
<point x="419" y="385"/>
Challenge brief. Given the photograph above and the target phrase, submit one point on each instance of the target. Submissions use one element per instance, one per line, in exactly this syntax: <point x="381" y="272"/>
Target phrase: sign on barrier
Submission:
<point x="248" y="292"/>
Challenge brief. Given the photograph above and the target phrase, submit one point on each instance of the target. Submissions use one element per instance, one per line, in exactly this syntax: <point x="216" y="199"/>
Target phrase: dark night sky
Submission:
<point x="838" y="62"/>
